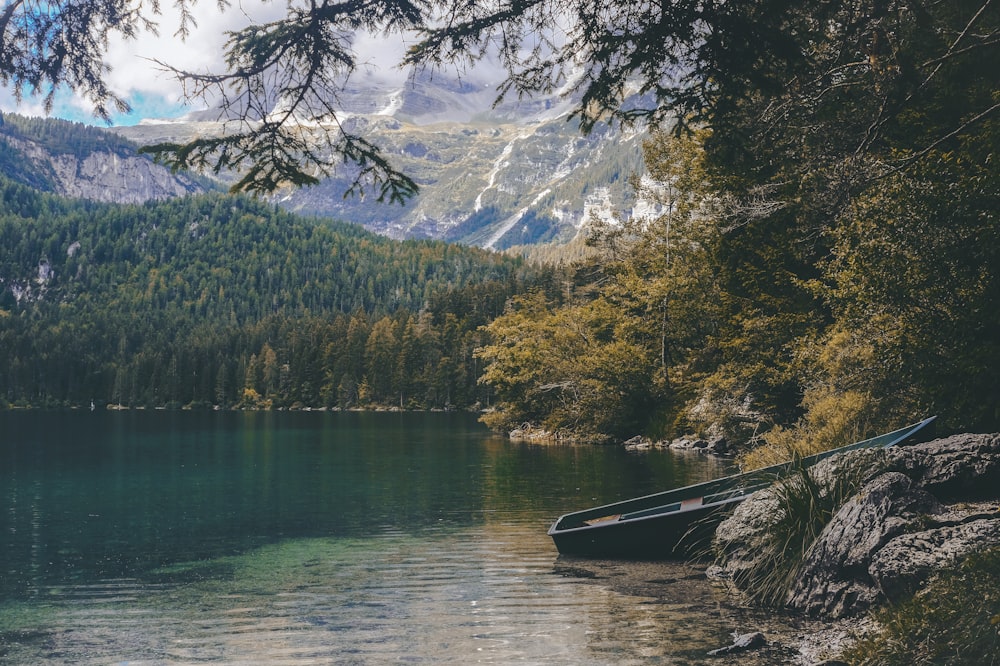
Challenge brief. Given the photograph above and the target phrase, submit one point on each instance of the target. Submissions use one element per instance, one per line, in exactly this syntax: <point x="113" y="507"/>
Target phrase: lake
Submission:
<point x="151" y="537"/>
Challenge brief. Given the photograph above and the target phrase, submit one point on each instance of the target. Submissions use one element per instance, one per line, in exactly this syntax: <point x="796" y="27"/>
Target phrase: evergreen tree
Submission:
<point x="219" y="300"/>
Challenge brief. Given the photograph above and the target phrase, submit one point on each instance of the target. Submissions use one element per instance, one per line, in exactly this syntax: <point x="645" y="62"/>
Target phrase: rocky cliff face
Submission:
<point x="75" y="161"/>
<point x="109" y="177"/>
<point x="516" y="173"/>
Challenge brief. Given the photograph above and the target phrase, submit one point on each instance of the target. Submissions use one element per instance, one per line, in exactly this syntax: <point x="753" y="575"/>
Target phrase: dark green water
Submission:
<point x="300" y="538"/>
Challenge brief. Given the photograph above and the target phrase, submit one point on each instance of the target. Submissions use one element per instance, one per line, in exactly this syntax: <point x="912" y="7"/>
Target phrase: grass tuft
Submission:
<point x="806" y="500"/>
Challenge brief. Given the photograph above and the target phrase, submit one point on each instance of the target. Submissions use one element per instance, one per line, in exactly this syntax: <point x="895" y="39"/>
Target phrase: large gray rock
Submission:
<point x="887" y="539"/>
<point x="960" y="467"/>
<point x="833" y="580"/>
<point x="904" y="564"/>
<point x="741" y="539"/>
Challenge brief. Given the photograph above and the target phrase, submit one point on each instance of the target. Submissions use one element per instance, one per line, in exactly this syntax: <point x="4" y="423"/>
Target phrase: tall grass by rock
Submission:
<point x="802" y="505"/>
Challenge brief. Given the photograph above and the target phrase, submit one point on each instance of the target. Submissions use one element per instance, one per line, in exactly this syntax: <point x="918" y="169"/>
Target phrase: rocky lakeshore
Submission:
<point x="915" y="512"/>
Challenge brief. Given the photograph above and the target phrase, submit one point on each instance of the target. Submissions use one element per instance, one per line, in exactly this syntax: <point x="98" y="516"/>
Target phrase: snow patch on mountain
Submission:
<point x="494" y="175"/>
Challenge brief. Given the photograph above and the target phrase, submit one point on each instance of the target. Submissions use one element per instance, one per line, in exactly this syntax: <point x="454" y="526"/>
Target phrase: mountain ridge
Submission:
<point x="75" y="160"/>
<point x="491" y="174"/>
<point x="494" y="175"/>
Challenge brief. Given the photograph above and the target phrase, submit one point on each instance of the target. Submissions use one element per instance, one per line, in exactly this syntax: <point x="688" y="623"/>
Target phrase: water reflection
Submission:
<point x="455" y="596"/>
<point x="325" y="538"/>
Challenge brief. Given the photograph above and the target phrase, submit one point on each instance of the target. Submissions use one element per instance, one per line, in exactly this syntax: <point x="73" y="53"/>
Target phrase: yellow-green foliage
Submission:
<point x="832" y="419"/>
<point x="571" y="369"/>
<point x="555" y="253"/>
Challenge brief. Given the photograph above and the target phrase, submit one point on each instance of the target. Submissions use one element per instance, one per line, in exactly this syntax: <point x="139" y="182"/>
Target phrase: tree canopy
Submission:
<point x="828" y="250"/>
<point x="223" y="300"/>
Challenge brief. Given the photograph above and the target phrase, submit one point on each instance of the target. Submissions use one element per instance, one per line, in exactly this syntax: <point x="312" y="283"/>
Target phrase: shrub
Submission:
<point x="954" y="621"/>
<point x="832" y="419"/>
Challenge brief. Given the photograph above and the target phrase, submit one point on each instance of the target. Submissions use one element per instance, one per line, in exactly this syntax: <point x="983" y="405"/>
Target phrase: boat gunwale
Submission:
<point x="732" y="482"/>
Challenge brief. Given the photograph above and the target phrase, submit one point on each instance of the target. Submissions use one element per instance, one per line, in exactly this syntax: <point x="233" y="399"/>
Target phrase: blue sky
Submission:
<point x="68" y="107"/>
<point x="137" y="78"/>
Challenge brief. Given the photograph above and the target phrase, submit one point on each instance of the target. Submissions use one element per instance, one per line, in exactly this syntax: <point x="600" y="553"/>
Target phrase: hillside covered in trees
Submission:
<point x="221" y="300"/>
<point x="830" y="249"/>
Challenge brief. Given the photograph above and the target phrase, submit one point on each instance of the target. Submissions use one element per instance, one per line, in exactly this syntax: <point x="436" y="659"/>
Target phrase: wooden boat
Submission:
<point x="677" y="522"/>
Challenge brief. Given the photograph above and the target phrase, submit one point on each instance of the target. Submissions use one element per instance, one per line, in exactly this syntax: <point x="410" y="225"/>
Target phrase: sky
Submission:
<point x="154" y="94"/>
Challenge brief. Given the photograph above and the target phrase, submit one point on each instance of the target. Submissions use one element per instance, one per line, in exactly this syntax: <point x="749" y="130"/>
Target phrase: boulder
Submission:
<point x="905" y="563"/>
<point x="888" y="538"/>
<point x="833" y="580"/>
<point x="741" y="538"/>
<point x="718" y="446"/>
<point x="956" y="468"/>
<point x="688" y="444"/>
<point x="637" y="443"/>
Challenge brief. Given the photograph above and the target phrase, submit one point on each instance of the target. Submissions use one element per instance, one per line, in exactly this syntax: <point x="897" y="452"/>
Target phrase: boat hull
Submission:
<point x="679" y="523"/>
<point x="670" y="536"/>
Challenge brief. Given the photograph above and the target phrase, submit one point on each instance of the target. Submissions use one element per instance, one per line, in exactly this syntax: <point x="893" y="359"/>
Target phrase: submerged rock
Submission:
<point x="716" y="446"/>
<point x="742" y="643"/>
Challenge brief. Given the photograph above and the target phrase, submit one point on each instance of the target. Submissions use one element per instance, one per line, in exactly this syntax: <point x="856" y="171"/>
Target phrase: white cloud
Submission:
<point x="136" y="77"/>
<point x="135" y="73"/>
<point x="152" y="92"/>
<point x="133" y="62"/>
<point x="378" y="56"/>
<point x="28" y="107"/>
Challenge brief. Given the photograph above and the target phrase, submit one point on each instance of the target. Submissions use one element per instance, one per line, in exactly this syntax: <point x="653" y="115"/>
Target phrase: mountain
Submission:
<point x="493" y="176"/>
<point x="74" y="160"/>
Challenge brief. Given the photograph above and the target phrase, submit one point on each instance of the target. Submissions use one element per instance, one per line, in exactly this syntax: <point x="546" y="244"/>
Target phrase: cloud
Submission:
<point x="155" y="93"/>
<point x="135" y="74"/>
<point x="378" y="57"/>
<point x="136" y="77"/>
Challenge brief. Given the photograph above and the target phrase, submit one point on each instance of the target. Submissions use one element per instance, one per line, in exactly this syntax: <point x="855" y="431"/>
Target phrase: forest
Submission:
<point x="215" y="300"/>
<point x="826" y="264"/>
<point x="826" y="260"/>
